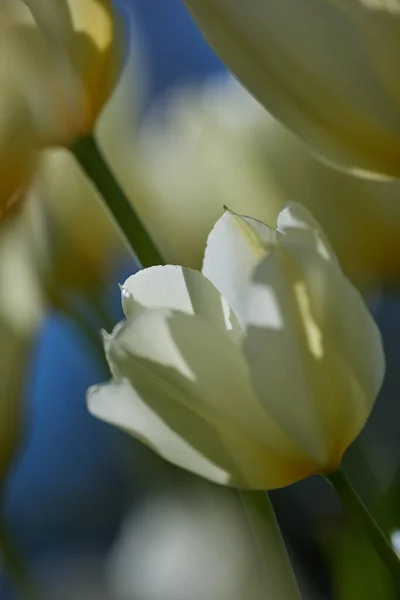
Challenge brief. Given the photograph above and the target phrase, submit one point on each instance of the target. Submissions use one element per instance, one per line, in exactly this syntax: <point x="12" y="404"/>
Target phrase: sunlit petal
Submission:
<point x="235" y="245"/>
<point x="180" y="289"/>
<point x="318" y="372"/>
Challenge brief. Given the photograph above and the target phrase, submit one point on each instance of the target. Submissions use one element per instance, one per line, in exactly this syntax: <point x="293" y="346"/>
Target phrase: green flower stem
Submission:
<point x="15" y="567"/>
<point x="92" y="162"/>
<point x="280" y="581"/>
<point x="360" y="513"/>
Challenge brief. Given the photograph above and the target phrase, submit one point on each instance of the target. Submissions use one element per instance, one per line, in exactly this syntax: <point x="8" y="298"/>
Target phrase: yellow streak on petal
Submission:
<point x="313" y="332"/>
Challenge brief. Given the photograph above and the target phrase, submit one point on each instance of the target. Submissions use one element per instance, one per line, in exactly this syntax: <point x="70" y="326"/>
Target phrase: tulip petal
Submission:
<point x="180" y="289"/>
<point x="195" y="379"/>
<point x="299" y="226"/>
<point x="234" y="247"/>
<point x="379" y="24"/>
<point x="318" y="372"/>
<point x="309" y="64"/>
<point x="119" y="404"/>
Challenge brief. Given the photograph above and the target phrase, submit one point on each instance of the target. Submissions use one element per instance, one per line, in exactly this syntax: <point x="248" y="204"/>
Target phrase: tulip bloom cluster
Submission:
<point x="255" y="373"/>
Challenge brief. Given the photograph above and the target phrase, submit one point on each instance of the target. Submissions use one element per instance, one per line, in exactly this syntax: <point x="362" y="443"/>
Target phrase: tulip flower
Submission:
<point x="62" y="61"/>
<point x="255" y="373"/>
<point x="328" y="70"/>
<point x="76" y="243"/>
<point x="61" y="201"/>
<point x="70" y="48"/>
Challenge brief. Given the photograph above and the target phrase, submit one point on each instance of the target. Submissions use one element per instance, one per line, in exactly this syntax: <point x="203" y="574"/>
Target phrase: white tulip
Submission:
<point x="328" y="69"/>
<point x="255" y="373"/>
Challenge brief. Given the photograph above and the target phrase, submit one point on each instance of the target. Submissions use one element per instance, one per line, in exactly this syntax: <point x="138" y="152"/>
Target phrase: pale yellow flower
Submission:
<point x="60" y="61"/>
<point x="328" y="69"/>
<point x="259" y="381"/>
<point x="68" y="62"/>
<point x="77" y="243"/>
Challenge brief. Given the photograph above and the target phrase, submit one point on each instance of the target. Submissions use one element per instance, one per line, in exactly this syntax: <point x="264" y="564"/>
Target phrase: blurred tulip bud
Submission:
<point x="257" y="393"/>
<point x="75" y="55"/>
<point x="193" y="543"/>
<point x="76" y="241"/>
<point x="214" y="144"/>
<point x="63" y="59"/>
<point x="328" y="70"/>
<point x="21" y="312"/>
<point x="17" y="133"/>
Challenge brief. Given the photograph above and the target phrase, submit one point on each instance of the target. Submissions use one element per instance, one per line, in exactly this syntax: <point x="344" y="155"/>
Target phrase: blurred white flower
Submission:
<point x="211" y="144"/>
<point x="192" y="542"/>
<point x="327" y="69"/>
<point x="195" y="153"/>
<point x="262" y="391"/>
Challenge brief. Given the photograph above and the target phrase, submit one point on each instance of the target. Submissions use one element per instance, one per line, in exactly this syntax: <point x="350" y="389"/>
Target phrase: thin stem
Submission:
<point x="15" y="567"/>
<point x="138" y="240"/>
<point x="279" y="577"/>
<point x="359" y="511"/>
